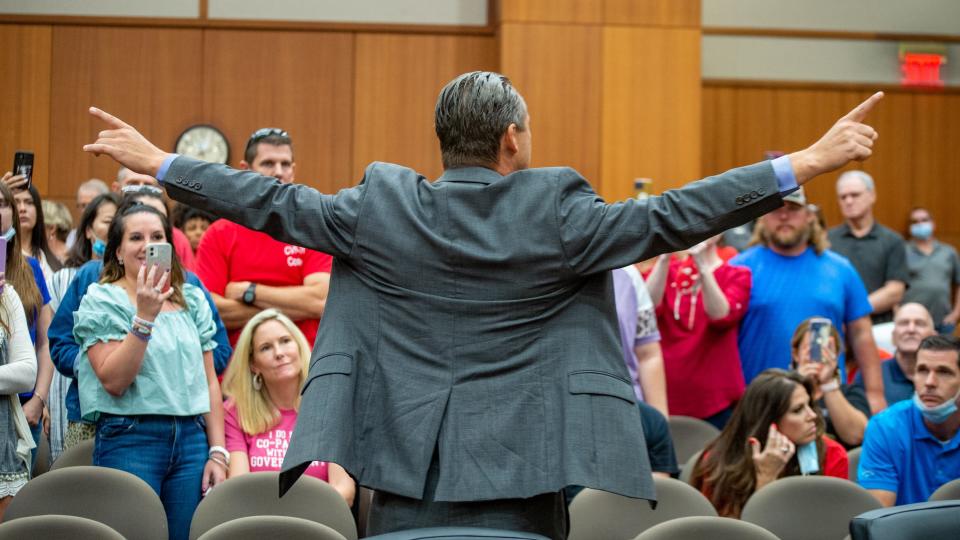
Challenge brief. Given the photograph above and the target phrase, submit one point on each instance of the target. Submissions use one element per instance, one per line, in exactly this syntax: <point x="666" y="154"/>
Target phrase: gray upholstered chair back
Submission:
<point x="81" y="454"/>
<point x="257" y="494"/>
<point x="705" y="527"/>
<point x="115" y="498"/>
<point x="804" y="507"/>
<point x="598" y="514"/>
<point x="42" y="463"/>
<point x="687" y="472"/>
<point x="853" y="456"/>
<point x="457" y="533"/>
<point x="56" y="527"/>
<point x="690" y="435"/>
<point x="265" y="527"/>
<point x="921" y="521"/>
<point x="947" y="492"/>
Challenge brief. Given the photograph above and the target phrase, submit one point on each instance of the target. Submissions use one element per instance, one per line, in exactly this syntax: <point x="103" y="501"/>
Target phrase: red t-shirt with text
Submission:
<point x="229" y="252"/>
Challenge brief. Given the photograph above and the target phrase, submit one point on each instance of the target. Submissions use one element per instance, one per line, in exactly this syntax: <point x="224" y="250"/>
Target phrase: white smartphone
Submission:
<point x="161" y="255"/>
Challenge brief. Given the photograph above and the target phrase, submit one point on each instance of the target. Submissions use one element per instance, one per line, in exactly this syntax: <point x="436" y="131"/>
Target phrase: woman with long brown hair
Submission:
<point x="776" y="408"/>
<point x="26" y="276"/>
<point x="145" y="370"/>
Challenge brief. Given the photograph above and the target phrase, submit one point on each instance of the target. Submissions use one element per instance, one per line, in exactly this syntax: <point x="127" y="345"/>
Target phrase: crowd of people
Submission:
<point x="774" y="345"/>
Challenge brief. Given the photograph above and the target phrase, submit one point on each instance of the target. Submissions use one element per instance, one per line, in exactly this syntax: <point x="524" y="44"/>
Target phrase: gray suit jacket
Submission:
<point x="474" y="315"/>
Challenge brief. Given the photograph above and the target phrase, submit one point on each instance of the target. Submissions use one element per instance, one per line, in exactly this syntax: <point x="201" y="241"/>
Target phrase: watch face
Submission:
<point x="204" y="142"/>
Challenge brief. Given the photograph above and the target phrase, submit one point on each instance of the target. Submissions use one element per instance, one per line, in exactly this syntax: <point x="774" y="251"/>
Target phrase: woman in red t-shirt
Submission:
<point x="776" y="407"/>
<point x="262" y="382"/>
<point x="700" y="301"/>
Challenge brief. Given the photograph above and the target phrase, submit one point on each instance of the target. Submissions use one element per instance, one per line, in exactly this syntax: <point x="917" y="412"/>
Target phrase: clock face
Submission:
<point x="204" y="142"/>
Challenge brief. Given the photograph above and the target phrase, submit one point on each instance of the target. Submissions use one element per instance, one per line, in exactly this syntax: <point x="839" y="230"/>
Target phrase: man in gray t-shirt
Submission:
<point x="875" y="251"/>
<point x="934" y="270"/>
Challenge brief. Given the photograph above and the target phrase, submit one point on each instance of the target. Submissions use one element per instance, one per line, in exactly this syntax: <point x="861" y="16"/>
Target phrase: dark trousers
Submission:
<point x="544" y="514"/>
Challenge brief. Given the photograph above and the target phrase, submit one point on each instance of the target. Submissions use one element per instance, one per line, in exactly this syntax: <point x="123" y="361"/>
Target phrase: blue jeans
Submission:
<point x="166" y="452"/>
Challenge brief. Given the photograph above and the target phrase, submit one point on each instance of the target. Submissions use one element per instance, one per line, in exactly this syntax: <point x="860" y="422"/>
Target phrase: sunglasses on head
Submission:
<point x="263" y="133"/>
<point x="127" y="190"/>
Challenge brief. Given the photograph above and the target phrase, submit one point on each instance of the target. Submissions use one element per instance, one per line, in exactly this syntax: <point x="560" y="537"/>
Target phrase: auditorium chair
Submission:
<point x="257" y="494"/>
<point x="265" y="527"/>
<point x="115" y="498"/>
<point x="706" y="527"/>
<point x="686" y="473"/>
<point x="947" y="492"/>
<point x="921" y="521"/>
<point x="690" y="435"/>
<point x="42" y="463"/>
<point x="804" y="507"/>
<point x="457" y="533"/>
<point x="598" y="514"/>
<point x="56" y="527"/>
<point x="853" y="457"/>
<point x="81" y="454"/>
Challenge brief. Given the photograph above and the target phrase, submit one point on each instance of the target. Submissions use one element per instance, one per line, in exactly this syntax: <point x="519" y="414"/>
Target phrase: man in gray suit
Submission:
<point x="468" y="366"/>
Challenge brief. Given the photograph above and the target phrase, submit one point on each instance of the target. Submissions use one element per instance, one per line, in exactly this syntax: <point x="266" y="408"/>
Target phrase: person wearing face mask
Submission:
<point x="934" y="268"/>
<point x="776" y="408"/>
<point x="913" y="448"/>
<point x="89" y="245"/>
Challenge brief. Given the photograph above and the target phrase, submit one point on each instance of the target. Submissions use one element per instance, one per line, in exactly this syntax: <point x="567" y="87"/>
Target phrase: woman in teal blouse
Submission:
<point x="146" y="372"/>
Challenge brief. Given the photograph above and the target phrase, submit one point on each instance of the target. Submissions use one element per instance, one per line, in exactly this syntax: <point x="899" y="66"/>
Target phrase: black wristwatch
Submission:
<point x="250" y="295"/>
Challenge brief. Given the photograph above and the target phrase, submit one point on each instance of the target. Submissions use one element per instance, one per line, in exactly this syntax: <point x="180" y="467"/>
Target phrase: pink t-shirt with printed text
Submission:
<point x="265" y="450"/>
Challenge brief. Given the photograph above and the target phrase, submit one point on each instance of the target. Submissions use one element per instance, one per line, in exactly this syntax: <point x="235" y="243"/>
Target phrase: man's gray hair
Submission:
<point x="473" y="112"/>
<point x="860" y="175"/>
<point x="94" y="185"/>
<point x="122" y="173"/>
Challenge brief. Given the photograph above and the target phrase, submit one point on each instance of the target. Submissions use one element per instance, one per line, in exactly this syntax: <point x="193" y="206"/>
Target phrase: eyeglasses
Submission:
<point x="920" y="220"/>
<point x="137" y="189"/>
<point x="263" y="133"/>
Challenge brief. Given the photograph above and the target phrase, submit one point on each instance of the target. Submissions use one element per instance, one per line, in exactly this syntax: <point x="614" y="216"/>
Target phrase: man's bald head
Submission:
<point x="911" y="323"/>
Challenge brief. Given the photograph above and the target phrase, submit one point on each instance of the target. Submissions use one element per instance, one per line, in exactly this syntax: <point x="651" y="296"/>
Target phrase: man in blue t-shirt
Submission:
<point x="911" y="324"/>
<point x="913" y="448"/>
<point x="795" y="277"/>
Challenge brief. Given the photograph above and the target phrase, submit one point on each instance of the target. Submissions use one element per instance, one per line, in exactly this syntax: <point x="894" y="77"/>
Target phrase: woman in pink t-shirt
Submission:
<point x="263" y="381"/>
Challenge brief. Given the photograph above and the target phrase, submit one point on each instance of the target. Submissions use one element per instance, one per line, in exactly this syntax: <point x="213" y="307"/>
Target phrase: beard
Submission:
<point x="788" y="238"/>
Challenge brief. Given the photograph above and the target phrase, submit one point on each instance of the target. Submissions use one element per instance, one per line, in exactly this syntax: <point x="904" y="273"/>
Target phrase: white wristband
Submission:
<point x="830" y="386"/>
<point x="220" y="450"/>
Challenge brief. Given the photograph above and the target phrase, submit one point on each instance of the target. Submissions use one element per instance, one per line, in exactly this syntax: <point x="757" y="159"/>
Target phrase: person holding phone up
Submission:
<point x="776" y="408"/>
<point x="844" y="407"/>
<point x="145" y="369"/>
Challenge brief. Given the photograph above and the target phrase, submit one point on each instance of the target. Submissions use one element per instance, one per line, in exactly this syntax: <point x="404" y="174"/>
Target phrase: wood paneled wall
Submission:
<point x="915" y="161"/>
<point x="613" y="87"/>
<point x="346" y="97"/>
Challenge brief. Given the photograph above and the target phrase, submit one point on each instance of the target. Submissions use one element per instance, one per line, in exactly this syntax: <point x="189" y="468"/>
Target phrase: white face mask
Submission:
<point x="936" y="414"/>
<point x="8" y="236"/>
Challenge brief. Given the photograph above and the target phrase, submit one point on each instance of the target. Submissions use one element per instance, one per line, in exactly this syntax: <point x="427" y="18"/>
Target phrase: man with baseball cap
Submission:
<point x="796" y="277"/>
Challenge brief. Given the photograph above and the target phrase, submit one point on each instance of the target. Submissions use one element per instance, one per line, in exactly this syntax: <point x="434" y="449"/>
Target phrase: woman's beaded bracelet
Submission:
<point x="139" y="333"/>
<point x="143" y="322"/>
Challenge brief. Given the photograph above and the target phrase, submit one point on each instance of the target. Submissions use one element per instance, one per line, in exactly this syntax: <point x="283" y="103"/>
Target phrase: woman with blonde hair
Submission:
<point x="262" y="384"/>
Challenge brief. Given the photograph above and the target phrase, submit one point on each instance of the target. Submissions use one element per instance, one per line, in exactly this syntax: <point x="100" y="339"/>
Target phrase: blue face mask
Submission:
<point x="99" y="247"/>
<point x="937" y="414"/>
<point x="808" y="459"/>
<point x="8" y="236"/>
<point x="921" y="231"/>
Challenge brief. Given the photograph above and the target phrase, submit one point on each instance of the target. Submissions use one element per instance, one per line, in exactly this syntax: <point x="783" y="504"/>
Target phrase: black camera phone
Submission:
<point x="23" y="164"/>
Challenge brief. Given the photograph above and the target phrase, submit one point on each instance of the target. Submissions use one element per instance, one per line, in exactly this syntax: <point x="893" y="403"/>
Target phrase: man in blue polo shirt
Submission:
<point x="913" y="447"/>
